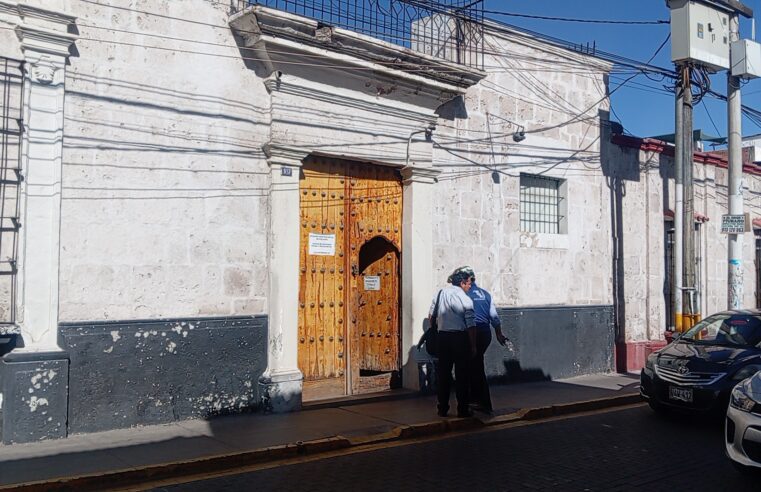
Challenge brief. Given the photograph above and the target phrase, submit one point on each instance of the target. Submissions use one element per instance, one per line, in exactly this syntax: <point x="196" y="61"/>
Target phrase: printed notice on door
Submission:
<point x="372" y="282"/>
<point x="322" y="244"/>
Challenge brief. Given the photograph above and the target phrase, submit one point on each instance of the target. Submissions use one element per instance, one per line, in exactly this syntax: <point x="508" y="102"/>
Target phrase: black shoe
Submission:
<point x="464" y="414"/>
<point x="441" y="413"/>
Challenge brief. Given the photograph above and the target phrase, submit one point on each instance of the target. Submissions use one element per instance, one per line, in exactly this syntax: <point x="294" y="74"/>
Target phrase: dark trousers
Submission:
<point x="454" y="350"/>
<point x="479" y="387"/>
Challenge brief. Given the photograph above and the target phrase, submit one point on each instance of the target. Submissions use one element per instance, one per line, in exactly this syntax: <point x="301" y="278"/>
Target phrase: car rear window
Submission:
<point x="727" y="329"/>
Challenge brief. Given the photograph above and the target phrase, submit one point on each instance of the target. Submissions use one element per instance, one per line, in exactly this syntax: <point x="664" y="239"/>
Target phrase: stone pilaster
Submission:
<point x="417" y="262"/>
<point x="281" y="383"/>
<point x="35" y="374"/>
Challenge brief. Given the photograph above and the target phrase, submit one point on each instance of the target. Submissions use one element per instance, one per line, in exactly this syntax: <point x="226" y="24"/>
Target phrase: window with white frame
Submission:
<point x="543" y="204"/>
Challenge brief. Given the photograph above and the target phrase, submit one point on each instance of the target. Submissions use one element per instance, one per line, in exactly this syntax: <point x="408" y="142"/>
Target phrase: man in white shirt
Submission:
<point x="456" y="342"/>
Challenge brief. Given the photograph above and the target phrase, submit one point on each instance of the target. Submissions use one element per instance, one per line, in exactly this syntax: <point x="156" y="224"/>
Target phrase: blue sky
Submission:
<point x="642" y="110"/>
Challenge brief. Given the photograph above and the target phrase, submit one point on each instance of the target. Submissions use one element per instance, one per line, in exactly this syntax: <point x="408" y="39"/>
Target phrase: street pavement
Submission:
<point x="132" y="456"/>
<point x="612" y="450"/>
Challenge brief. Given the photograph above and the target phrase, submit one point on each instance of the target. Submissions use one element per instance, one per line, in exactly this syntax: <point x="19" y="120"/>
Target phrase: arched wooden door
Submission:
<point x="350" y="249"/>
<point x="375" y="325"/>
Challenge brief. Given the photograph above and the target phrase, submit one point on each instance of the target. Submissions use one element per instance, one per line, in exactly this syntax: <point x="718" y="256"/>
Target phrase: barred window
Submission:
<point x="543" y="204"/>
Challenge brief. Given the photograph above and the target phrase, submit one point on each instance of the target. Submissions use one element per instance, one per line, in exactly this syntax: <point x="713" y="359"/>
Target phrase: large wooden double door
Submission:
<point x="350" y="244"/>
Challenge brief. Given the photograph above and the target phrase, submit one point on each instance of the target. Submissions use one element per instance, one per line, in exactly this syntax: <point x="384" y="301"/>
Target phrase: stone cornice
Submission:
<point x="274" y="33"/>
<point x="36" y="15"/>
<point x="9" y="9"/>
<point x="379" y="106"/>
<point x="416" y="174"/>
<point x="43" y="40"/>
<point x="284" y="155"/>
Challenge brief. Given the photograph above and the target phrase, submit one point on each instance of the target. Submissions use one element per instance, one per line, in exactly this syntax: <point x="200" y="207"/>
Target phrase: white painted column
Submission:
<point x="45" y="43"/>
<point x="281" y="383"/>
<point x="417" y="263"/>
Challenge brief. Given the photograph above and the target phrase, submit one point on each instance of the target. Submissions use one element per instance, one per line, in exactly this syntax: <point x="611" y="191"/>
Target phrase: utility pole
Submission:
<point x="688" y="213"/>
<point x="735" y="185"/>
<point x="676" y="281"/>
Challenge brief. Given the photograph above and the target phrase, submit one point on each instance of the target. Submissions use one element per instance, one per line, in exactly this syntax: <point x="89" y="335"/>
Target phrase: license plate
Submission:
<point x="681" y="394"/>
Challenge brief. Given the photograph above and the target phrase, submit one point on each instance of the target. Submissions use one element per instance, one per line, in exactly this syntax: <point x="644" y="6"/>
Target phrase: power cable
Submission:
<point x="570" y="19"/>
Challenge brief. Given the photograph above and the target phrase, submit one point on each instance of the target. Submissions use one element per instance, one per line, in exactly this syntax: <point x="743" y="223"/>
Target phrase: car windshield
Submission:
<point x="727" y="329"/>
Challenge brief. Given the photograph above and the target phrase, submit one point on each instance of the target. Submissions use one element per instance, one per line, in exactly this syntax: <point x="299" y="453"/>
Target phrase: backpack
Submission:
<point x="430" y="337"/>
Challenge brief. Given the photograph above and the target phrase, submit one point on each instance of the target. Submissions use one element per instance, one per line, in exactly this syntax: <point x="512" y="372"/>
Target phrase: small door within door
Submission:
<point x="376" y="303"/>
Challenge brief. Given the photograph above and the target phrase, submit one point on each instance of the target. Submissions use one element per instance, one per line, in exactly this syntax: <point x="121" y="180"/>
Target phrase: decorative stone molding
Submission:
<point x="292" y="86"/>
<point x="415" y="174"/>
<point x="9" y="12"/>
<point x="291" y="36"/>
<point x="272" y="83"/>
<point x="44" y="41"/>
<point x="283" y="155"/>
<point x="43" y="72"/>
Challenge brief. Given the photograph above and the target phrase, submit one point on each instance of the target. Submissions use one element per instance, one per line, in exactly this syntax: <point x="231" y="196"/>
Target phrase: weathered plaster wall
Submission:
<point x="648" y="192"/>
<point x="711" y="200"/>
<point x="164" y="207"/>
<point x="558" y="97"/>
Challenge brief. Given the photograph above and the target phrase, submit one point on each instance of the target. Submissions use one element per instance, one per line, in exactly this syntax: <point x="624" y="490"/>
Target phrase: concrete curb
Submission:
<point x="229" y="462"/>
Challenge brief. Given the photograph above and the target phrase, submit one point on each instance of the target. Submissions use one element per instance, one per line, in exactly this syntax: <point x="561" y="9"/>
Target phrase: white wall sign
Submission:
<point x="372" y="282"/>
<point x="322" y="244"/>
<point x="734" y="224"/>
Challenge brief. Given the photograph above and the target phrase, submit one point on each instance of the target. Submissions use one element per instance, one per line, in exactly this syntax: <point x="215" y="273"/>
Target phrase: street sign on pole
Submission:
<point x="735" y="224"/>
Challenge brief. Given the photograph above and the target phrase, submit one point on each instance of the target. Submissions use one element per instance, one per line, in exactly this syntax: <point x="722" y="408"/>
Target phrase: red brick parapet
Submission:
<point x="718" y="159"/>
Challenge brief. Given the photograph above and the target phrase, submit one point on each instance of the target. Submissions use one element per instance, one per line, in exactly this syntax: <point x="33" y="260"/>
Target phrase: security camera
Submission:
<point x="519" y="136"/>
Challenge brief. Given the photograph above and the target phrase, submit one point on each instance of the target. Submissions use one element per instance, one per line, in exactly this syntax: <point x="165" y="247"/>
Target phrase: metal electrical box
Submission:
<point x="699" y="34"/>
<point x="746" y="59"/>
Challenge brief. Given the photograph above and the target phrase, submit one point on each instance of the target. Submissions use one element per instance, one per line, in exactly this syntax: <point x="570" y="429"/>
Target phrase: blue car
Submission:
<point x="697" y="371"/>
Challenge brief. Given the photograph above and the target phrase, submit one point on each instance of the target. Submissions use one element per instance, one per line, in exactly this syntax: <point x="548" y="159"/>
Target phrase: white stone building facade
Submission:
<point x="163" y="151"/>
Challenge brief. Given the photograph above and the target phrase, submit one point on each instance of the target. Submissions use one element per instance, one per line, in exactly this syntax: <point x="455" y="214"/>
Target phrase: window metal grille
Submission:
<point x="447" y="29"/>
<point x="540" y="204"/>
<point x="11" y="128"/>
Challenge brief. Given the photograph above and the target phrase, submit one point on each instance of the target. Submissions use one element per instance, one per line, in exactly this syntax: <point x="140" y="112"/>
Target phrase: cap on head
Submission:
<point x="460" y="275"/>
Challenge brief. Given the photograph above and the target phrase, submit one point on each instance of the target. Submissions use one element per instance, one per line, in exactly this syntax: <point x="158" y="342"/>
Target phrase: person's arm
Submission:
<point x="473" y="341"/>
<point x="496" y="323"/>
<point x="431" y="314"/>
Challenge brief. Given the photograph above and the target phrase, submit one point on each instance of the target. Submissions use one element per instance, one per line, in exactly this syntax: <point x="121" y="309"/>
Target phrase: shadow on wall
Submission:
<point x="617" y="171"/>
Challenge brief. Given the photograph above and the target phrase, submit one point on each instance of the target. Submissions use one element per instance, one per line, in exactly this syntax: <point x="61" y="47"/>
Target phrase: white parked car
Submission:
<point x="743" y="425"/>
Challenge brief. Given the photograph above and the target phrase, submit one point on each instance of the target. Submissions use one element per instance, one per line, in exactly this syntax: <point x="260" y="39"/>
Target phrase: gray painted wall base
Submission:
<point x="548" y="343"/>
<point x="129" y="373"/>
<point x="552" y="343"/>
<point x="35" y="390"/>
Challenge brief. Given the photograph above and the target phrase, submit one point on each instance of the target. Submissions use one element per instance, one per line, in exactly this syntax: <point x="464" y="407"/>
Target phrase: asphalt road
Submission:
<point x="630" y="449"/>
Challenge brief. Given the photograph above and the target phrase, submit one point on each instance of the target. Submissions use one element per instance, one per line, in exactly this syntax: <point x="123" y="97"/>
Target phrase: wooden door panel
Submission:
<point x="322" y="304"/>
<point x="377" y="306"/>
<point x="375" y="207"/>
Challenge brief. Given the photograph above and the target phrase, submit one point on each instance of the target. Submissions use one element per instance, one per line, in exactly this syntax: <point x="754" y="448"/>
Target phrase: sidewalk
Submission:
<point x="223" y="442"/>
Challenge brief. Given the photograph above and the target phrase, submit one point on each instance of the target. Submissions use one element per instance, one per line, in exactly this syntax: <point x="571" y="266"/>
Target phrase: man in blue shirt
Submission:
<point x="485" y="316"/>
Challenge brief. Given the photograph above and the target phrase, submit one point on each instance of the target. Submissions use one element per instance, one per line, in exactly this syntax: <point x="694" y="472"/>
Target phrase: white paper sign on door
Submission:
<point x="372" y="283"/>
<point x="322" y="244"/>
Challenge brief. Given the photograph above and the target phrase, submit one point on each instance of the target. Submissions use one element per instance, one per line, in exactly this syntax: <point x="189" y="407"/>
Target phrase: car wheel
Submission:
<point x="657" y="407"/>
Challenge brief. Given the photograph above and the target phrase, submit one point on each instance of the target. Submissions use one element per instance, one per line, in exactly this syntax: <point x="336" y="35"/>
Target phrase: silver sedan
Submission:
<point x="743" y="425"/>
